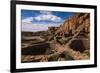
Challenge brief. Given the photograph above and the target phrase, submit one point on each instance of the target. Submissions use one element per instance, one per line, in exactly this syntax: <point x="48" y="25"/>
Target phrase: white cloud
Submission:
<point x="28" y="20"/>
<point x="48" y="17"/>
<point x="44" y="16"/>
<point x="28" y="25"/>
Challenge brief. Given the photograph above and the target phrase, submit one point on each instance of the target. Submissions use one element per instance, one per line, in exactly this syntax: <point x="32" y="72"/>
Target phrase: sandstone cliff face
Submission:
<point x="71" y="24"/>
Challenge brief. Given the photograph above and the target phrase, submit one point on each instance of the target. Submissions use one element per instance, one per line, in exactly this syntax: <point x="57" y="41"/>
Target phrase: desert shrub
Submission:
<point x="87" y="52"/>
<point x="49" y="51"/>
<point x="61" y="41"/>
<point x="67" y="56"/>
<point x="54" y="57"/>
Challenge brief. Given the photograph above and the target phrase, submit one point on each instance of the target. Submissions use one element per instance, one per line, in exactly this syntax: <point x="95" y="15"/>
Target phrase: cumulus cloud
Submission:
<point x="48" y="17"/>
<point x="34" y="24"/>
<point x="43" y="16"/>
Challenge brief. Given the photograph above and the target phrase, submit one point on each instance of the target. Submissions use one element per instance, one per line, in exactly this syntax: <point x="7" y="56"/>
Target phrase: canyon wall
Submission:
<point x="71" y="24"/>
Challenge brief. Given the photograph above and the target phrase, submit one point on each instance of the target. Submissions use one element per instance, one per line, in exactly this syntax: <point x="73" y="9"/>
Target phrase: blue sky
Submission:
<point x="36" y="20"/>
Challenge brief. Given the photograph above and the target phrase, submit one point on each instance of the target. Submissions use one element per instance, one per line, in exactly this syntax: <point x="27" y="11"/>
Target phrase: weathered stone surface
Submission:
<point x="71" y="24"/>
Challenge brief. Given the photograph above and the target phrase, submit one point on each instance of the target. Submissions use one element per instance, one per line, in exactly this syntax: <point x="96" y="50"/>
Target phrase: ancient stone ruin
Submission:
<point x="69" y="41"/>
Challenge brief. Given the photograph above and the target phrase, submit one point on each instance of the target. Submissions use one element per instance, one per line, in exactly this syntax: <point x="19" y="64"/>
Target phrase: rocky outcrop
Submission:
<point x="51" y="30"/>
<point x="70" y="25"/>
